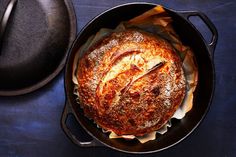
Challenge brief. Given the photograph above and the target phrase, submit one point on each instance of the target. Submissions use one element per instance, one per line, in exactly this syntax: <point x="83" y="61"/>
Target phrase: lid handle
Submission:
<point x="5" y="19"/>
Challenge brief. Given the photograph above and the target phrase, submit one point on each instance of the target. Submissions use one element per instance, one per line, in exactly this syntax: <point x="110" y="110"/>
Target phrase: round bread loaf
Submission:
<point x="130" y="82"/>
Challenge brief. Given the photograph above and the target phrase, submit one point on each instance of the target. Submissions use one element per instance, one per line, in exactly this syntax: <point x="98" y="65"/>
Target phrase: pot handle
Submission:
<point x="208" y="22"/>
<point x="66" y="112"/>
<point x="5" y="19"/>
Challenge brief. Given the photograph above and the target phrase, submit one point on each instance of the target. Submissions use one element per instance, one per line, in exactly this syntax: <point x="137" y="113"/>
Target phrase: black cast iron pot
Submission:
<point x="189" y="35"/>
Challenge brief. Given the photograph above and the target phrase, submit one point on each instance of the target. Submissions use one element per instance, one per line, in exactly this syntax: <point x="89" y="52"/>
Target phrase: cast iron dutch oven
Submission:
<point x="203" y="95"/>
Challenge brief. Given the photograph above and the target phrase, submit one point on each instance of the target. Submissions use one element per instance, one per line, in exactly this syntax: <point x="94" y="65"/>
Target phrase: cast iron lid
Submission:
<point x="34" y="47"/>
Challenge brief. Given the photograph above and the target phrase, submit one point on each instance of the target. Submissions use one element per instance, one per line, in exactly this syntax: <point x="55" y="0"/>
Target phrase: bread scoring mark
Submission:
<point x="130" y="80"/>
<point x="137" y="60"/>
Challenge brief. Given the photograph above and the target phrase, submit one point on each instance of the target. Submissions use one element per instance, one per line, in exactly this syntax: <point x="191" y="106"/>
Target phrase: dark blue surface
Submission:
<point x="30" y="124"/>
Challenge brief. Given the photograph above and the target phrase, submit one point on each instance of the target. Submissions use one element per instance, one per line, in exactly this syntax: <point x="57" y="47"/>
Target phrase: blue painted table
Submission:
<point x="30" y="124"/>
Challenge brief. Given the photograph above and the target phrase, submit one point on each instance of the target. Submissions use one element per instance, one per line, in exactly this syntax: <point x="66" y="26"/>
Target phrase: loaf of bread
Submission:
<point x="130" y="82"/>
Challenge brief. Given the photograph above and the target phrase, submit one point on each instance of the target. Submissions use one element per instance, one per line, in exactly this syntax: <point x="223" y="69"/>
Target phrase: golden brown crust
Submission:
<point x="131" y="82"/>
